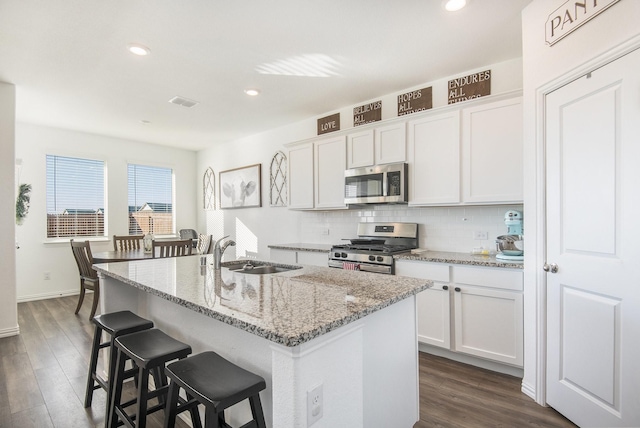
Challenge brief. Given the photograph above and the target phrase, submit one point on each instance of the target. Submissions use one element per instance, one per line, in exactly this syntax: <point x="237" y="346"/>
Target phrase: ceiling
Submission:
<point x="71" y="67"/>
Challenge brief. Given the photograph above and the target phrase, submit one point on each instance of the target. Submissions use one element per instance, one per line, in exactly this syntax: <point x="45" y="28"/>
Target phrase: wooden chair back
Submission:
<point x="127" y="242"/>
<point x="177" y="248"/>
<point x="204" y="244"/>
<point x="84" y="259"/>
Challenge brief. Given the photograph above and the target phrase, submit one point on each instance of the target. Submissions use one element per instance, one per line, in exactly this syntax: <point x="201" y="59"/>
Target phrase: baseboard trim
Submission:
<point x="44" y="296"/>
<point x="528" y="390"/>
<point x="471" y="360"/>
<point x="13" y="331"/>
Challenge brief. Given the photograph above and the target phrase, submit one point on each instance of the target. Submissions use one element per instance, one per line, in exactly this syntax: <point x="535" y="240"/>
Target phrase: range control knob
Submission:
<point x="343" y="255"/>
<point x="380" y="258"/>
<point x="336" y="254"/>
<point x="372" y="258"/>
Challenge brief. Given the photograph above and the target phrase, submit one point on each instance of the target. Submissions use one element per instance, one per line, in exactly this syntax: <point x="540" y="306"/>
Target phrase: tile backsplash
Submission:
<point x="439" y="228"/>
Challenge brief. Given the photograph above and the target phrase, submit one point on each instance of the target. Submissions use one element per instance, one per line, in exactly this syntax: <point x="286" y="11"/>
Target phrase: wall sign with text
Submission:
<point x="414" y="101"/>
<point x="570" y="16"/>
<point x="468" y="87"/>
<point x="329" y="124"/>
<point x="367" y="113"/>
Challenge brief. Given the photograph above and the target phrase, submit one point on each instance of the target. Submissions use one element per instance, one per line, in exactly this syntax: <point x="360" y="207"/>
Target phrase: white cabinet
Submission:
<point x="488" y="313"/>
<point x="377" y="146"/>
<point x="434" y="159"/>
<point x="301" y="176"/>
<point x="391" y="143"/>
<point x="360" y="148"/>
<point x="330" y="160"/>
<point x="471" y="310"/>
<point x="316" y="174"/>
<point x="492" y="149"/>
<point x="293" y="257"/>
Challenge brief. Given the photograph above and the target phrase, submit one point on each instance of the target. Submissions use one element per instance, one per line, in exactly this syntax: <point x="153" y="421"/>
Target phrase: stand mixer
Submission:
<point x="511" y="246"/>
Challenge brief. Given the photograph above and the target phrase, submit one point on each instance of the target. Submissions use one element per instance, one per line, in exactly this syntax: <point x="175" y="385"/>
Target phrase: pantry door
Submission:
<point x="593" y="246"/>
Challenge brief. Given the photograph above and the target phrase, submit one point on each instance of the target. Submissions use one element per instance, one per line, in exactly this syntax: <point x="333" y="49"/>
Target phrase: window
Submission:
<point x="150" y="200"/>
<point x="75" y="197"/>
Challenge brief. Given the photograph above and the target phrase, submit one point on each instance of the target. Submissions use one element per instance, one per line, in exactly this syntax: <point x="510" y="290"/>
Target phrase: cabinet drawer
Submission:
<point x="416" y="269"/>
<point x="506" y="279"/>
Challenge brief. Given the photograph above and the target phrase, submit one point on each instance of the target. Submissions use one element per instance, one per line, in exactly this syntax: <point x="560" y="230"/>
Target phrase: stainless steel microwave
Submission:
<point x="380" y="184"/>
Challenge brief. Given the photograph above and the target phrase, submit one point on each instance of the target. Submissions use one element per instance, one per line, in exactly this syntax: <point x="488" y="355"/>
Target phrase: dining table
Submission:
<point x="125" y="256"/>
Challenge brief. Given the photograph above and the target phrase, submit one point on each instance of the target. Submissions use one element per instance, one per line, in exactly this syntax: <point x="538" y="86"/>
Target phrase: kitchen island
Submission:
<point x="352" y="333"/>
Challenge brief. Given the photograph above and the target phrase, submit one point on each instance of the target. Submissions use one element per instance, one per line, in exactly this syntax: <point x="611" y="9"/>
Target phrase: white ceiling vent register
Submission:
<point x="184" y="102"/>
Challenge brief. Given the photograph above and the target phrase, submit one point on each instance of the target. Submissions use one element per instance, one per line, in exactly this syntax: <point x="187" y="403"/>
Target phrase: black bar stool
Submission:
<point x="149" y="350"/>
<point x="216" y="383"/>
<point x="115" y="324"/>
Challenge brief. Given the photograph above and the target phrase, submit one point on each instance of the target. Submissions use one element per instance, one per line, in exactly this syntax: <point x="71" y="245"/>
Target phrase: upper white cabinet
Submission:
<point x="330" y="160"/>
<point x="434" y="159"/>
<point x="316" y="174"/>
<point x="377" y="146"/>
<point x="301" y="176"/>
<point x="360" y="149"/>
<point x="492" y="152"/>
<point x="391" y="143"/>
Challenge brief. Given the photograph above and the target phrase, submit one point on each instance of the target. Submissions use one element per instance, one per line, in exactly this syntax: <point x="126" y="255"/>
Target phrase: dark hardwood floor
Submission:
<point x="43" y="373"/>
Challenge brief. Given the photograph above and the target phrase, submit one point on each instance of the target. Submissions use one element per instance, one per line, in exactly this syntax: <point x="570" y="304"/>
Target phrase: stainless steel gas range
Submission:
<point x="375" y="247"/>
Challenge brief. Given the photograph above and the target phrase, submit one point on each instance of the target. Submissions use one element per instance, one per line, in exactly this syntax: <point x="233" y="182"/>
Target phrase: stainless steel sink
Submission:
<point x="253" y="268"/>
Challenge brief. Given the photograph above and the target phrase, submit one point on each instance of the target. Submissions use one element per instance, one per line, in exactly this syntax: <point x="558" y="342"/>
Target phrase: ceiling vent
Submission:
<point x="184" y="102"/>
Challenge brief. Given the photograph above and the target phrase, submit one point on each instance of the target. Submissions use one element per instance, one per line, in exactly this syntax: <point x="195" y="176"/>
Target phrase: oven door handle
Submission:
<point x="375" y="268"/>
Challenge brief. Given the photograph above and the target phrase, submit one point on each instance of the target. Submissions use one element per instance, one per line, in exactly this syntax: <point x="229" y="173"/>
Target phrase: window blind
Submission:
<point x="75" y="197"/>
<point x="150" y="200"/>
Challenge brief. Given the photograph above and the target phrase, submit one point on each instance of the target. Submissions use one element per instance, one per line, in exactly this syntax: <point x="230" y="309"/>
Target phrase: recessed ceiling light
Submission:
<point x="139" y="50"/>
<point x="453" y="5"/>
<point x="252" y="92"/>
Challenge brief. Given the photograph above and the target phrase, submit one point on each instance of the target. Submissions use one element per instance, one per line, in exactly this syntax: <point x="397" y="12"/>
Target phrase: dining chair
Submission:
<point x="177" y="248"/>
<point x="88" y="276"/>
<point x="204" y="244"/>
<point x="189" y="234"/>
<point x="127" y="242"/>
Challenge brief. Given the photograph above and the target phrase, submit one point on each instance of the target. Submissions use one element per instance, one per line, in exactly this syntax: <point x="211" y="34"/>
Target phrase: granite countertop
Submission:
<point x="298" y="246"/>
<point x="459" y="259"/>
<point x="289" y="308"/>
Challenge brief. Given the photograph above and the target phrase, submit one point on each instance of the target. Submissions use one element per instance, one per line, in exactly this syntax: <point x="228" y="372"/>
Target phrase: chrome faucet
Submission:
<point x="219" y="251"/>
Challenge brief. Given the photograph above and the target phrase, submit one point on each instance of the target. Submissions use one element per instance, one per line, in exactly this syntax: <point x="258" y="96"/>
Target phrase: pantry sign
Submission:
<point x="571" y="15"/>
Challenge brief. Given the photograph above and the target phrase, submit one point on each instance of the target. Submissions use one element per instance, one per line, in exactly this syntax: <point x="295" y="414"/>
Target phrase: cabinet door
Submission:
<point x="330" y="161"/>
<point x="301" y="177"/>
<point x="313" y="258"/>
<point x="433" y="305"/>
<point x="360" y="149"/>
<point x="283" y="256"/>
<point x="492" y="152"/>
<point x="391" y="144"/>
<point x="434" y="160"/>
<point x="488" y="323"/>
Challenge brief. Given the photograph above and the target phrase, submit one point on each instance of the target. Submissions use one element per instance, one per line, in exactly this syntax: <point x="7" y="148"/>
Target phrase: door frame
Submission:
<point x="535" y="256"/>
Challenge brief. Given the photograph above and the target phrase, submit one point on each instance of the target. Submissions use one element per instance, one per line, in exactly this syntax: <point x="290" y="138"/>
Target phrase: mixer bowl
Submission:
<point x="510" y="245"/>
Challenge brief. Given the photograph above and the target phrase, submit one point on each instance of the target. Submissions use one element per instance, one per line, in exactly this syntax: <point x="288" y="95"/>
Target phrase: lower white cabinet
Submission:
<point x="473" y="310"/>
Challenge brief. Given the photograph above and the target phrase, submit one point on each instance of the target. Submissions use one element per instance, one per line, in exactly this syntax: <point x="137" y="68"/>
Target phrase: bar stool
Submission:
<point x="217" y="384"/>
<point x="149" y="350"/>
<point x="115" y="324"/>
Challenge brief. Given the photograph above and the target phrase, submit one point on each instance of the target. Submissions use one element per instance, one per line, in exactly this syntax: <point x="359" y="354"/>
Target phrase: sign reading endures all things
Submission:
<point x="411" y="102"/>
<point x="472" y="86"/>
<point x="367" y="113"/>
<point x="571" y="15"/>
<point x="329" y="124"/>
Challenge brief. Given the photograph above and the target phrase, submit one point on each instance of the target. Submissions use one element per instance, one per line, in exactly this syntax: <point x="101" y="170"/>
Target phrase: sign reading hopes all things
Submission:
<point x="472" y="86"/>
<point x="411" y="102"/>
<point x="367" y="113"/>
<point x="329" y="124"/>
<point x="570" y="16"/>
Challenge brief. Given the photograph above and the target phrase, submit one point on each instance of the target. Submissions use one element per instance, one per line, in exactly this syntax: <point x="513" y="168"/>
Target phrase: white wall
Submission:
<point x="37" y="256"/>
<point x="545" y="67"/>
<point x="255" y="228"/>
<point x="8" y="190"/>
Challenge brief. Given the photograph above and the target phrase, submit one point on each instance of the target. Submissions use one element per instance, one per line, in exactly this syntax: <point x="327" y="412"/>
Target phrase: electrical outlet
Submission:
<point x="47" y="276"/>
<point x="479" y="235"/>
<point x="315" y="405"/>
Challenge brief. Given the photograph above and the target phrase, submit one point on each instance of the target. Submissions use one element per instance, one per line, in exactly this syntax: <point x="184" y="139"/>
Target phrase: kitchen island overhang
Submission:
<point x="354" y="333"/>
